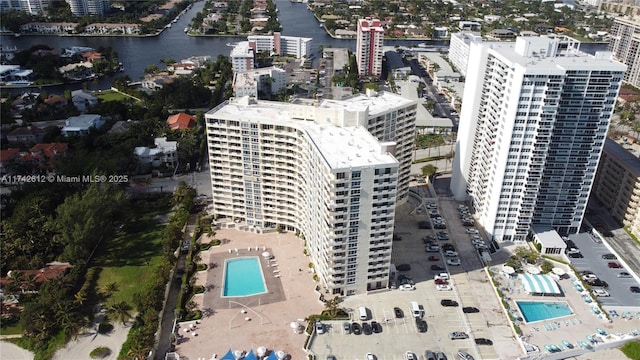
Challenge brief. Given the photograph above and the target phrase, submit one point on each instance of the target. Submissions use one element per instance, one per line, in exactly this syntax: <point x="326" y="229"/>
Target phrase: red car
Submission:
<point x="433" y="258"/>
<point x="614" y="265"/>
<point x="440" y="282"/>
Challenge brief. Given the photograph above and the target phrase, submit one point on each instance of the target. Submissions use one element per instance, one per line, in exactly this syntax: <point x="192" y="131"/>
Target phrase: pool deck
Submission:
<point x="571" y="328"/>
<point x="291" y="296"/>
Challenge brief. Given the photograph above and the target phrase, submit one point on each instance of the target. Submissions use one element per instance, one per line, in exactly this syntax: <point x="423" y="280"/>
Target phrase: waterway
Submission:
<point x="136" y="53"/>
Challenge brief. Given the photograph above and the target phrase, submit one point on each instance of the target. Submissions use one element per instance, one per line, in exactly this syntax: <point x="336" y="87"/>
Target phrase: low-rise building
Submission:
<point x="164" y="153"/>
<point x="282" y="45"/>
<point x="80" y="125"/>
<point x="157" y="81"/>
<point x="257" y="82"/>
<point x="181" y="121"/>
<point x="6" y="156"/>
<point x="41" y="157"/>
<point x="25" y="135"/>
<point x="83" y="100"/>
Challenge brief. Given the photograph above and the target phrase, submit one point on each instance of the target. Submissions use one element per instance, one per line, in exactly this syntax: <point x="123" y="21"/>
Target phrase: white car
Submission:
<point x="472" y="231"/>
<point x="319" y="328"/>
<point x="410" y="356"/>
<point x="453" y="262"/>
<point x="600" y="293"/>
<point x="450" y="253"/>
<point x="370" y="356"/>
<point x="407" y="287"/>
<point x="443" y="288"/>
<point x="588" y="277"/>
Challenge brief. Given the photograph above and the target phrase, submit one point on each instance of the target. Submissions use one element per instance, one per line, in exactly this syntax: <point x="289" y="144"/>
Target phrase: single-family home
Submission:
<point x="164" y="153"/>
<point x="83" y="99"/>
<point x="181" y="121"/>
<point x="6" y="156"/>
<point x="50" y="271"/>
<point x="80" y="125"/>
<point x="25" y="135"/>
<point x="42" y="156"/>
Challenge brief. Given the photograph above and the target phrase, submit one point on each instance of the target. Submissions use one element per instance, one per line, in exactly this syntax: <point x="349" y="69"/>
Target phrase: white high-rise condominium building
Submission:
<point x="35" y="7"/>
<point x="459" y="49"/>
<point x="243" y="56"/>
<point x="369" y="45"/>
<point x="625" y="45"/>
<point x="283" y="45"/>
<point x="316" y="170"/>
<point x="534" y="119"/>
<point x="89" y="7"/>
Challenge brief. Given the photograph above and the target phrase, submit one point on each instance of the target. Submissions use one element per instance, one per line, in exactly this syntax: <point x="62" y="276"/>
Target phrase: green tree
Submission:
<point x="429" y="170"/>
<point x="120" y="311"/>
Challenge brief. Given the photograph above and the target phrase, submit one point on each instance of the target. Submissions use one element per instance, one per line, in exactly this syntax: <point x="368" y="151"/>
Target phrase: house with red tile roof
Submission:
<point x="56" y="100"/>
<point x="43" y="155"/>
<point x="50" y="271"/>
<point x="181" y="121"/>
<point x="6" y="156"/>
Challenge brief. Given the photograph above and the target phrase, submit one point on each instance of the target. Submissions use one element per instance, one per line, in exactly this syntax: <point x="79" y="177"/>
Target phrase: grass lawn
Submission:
<point x="632" y="350"/>
<point x="129" y="258"/>
<point x="10" y="328"/>
<point x="110" y="95"/>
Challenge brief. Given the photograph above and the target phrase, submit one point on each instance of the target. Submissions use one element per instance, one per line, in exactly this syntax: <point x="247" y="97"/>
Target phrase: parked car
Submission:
<point x="440" y="282"/>
<point x="463" y="355"/>
<point x="589" y="276"/>
<point x="331" y="357"/>
<point x="403" y="267"/>
<point x="454" y="262"/>
<point x="470" y="310"/>
<point x="432" y="248"/>
<point x="393" y="284"/>
<point x="370" y="356"/>
<point x="483" y="341"/>
<point x="410" y="356"/>
<point x="398" y="312"/>
<point x="635" y="289"/>
<point x="614" y="265"/>
<point x="429" y="355"/>
<point x="450" y="253"/>
<point x="576" y="255"/>
<point x="346" y="327"/>
<point x="437" y="268"/>
<point x="444" y="288"/>
<point x="366" y="328"/>
<point x="624" y="274"/>
<point x="448" y="247"/>
<point x="376" y="327"/>
<point x="609" y="257"/>
<point x="443" y="234"/>
<point x="457" y="335"/>
<point x="598" y="283"/>
<point x="442" y="275"/>
<point x="433" y="258"/>
<point x="600" y="292"/>
<point x="407" y="287"/>
<point x="439" y="226"/>
<point x="472" y="231"/>
<point x="421" y="325"/>
<point x="448" y="303"/>
<point x="355" y="327"/>
<point x="441" y="356"/>
<point x="319" y="327"/>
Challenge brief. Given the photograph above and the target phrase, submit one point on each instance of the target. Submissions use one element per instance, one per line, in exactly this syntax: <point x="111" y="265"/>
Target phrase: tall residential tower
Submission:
<point x="534" y="119"/>
<point x="625" y="45"/>
<point x="317" y="170"/>
<point x="369" y="47"/>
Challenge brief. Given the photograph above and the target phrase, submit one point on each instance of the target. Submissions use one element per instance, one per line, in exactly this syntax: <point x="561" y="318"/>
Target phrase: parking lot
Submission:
<point x="470" y="288"/>
<point x="592" y="249"/>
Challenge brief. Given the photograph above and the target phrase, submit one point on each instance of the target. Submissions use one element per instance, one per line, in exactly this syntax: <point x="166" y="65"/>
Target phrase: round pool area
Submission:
<point x="243" y="277"/>
<point x="533" y="311"/>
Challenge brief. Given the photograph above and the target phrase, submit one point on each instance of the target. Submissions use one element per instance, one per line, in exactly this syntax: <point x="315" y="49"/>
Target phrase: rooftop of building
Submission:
<point x="549" y="53"/>
<point x="341" y="147"/>
<point x="241" y="48"/>
<point x="377" y="103"/>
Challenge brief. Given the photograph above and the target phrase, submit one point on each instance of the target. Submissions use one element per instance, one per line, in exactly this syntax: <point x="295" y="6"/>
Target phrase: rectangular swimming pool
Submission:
<point x="543" y="310"/>
<point x="243" y="277"/>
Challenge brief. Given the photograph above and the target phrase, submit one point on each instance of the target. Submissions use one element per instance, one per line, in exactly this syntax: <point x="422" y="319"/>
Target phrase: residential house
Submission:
<point x="266" y="81"/>
<point x="115" y="29"/>
<point x="50" y="271"/>
<point x="157" y="81"/>
<point x="25" y="135"/>
<point x="42" y="156"/>
<point x="6" y="156"/>
<point x="164" y="153"/>
<point x="181" y="121"/>
<point x="54" y="100"/>
<point x="80" y="125"/>
<point x="48" y="28"/>
<point x="83" y="100"/>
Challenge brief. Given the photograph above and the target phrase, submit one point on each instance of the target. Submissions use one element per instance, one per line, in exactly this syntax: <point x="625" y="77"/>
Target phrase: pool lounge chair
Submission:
<point x="602" y="332"/>
<point x="567" y="344"/>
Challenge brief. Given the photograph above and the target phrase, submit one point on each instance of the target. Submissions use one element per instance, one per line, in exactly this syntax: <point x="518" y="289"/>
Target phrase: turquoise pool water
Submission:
<point x="243" y="277"/>
<point x="542" y="310"/>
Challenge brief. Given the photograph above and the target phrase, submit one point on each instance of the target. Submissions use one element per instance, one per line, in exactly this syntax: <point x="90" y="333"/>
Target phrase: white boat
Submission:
<point x="186" y="29"/>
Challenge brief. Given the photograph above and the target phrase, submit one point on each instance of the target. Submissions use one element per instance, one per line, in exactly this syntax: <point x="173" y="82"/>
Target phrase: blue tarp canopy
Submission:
<point x="272" y="356"/>
<point x="539" y="284"/>
<point x="250" y="356"/>
<point x="228" y="356"/>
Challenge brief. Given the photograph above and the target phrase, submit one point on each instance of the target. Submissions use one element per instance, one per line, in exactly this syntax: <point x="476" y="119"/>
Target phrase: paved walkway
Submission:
<point x="262" y="323"/>
<point x="9" y="351"/>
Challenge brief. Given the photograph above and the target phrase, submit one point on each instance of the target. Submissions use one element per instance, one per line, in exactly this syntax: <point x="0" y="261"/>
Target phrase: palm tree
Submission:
<point x="333" y="305"/>
<point x="110" y="288"/>
<point x="120" y="311"/>
<point x="80" y="297"/>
